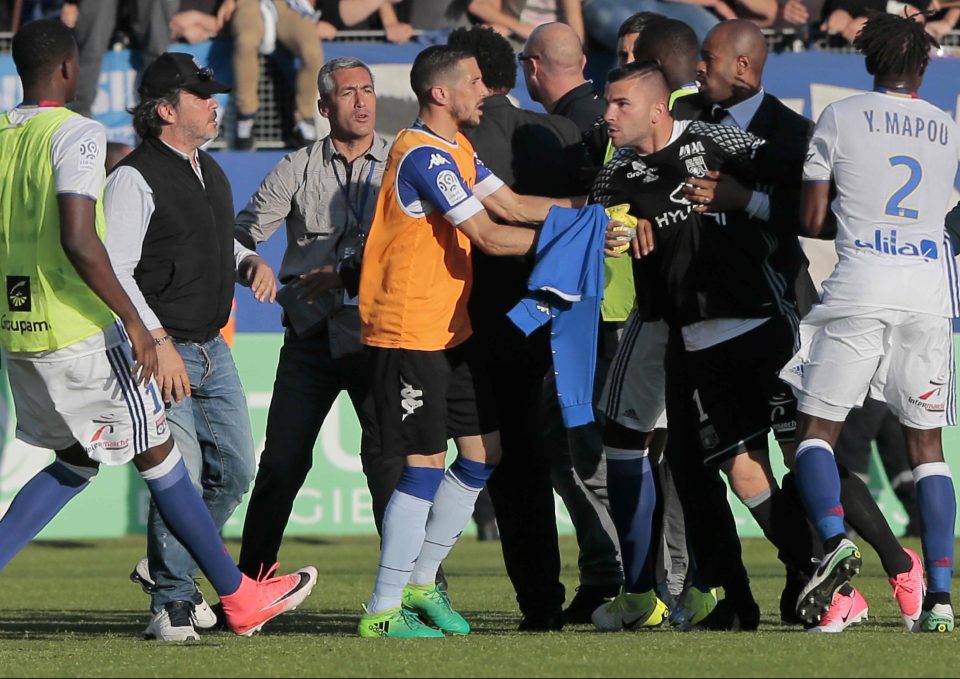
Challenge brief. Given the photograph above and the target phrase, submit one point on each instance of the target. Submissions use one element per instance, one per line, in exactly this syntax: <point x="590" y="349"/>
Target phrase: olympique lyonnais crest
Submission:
<point x="696" y="166"/>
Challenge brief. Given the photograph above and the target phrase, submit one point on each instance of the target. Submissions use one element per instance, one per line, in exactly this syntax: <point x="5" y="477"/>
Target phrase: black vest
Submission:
<point x="186" y="269"/>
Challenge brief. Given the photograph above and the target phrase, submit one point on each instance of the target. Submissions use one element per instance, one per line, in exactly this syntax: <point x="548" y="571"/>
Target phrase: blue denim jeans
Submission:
<point x="602" y="18"/>
<point x="212" y="431"/>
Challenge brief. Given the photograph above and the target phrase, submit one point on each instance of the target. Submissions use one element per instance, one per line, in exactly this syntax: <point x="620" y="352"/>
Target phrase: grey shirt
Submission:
<point x="328" y="207"/>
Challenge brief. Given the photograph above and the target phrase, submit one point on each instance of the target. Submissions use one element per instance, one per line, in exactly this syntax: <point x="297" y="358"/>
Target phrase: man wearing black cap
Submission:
<point x="169" y="211"/>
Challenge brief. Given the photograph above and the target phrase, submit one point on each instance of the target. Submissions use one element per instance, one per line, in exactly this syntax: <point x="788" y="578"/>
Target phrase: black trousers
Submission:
<point x="520" y="487"/>
<point x="715" y="550"/>
<point x="308" y="382"/>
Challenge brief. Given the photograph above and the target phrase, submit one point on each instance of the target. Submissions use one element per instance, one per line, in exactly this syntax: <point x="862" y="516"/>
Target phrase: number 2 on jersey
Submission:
<point x="894" y="209"/>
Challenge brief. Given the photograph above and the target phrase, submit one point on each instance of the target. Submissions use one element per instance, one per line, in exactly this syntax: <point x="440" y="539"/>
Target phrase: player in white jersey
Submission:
<point x="884" y="323"/>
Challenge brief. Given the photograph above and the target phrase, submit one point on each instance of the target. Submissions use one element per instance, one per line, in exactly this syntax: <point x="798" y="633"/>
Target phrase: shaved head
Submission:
<point x="557" y="45"/>
<point x="744" y="38"/>
<point x="638" y="112"/>
<point x="647" y="77"/>
<point x="553" y="63"/>
<point x="732" y="60"/>
<point x="740" y="38"/>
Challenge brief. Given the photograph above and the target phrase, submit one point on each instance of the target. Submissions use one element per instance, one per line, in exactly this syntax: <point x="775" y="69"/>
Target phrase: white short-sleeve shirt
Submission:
<point x="77" y="152"/>
<point x="893" y="159"/>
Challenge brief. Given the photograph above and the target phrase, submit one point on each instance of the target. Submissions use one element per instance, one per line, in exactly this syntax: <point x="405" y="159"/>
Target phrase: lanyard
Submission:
<point x="357" y="210"/>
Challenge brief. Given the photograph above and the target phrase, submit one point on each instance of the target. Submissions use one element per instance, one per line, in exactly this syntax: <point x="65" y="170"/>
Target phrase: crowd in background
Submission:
<point x="258" y="27"/>
<point x="596" y="21"/>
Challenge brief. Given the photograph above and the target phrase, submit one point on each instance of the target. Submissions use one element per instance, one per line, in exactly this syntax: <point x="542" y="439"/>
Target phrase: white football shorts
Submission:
<point x="904" y="358"/>
<point x="90" y="397"/>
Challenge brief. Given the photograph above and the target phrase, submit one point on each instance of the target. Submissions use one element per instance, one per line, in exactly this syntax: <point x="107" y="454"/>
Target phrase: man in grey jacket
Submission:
<point x="326" y="193"/>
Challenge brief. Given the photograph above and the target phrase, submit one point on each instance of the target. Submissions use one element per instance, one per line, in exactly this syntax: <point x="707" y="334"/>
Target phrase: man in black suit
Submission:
<point x="532" y="153"/>
<point x="729" y="75"/>
<point x="730" y="72"/>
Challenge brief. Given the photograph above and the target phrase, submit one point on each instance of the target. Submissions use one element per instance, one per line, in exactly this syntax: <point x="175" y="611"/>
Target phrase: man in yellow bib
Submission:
<point x="82" y="380"/>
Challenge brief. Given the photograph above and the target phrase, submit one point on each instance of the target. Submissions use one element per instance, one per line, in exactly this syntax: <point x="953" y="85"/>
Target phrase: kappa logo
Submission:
<point x="436" y="160"/>
<point x="18" y="293"/>
<point x="410" y="399"/>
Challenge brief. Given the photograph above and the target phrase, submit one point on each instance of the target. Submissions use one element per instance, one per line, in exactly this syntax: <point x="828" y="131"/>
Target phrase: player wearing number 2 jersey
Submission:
<point x="884" y="324"/>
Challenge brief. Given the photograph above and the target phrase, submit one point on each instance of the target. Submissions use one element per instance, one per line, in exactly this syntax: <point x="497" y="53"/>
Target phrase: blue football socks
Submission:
<point x="633" y="499"/>
<point x="937" y="503"/>
<point x="37" y="503"/>
<point x="189" y="520"/>
<point x="818" y="482"/>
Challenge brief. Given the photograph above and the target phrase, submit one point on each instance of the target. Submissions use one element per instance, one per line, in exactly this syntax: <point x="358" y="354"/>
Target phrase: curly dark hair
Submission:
<point x="894" y="45"/>
<point x="146" y="120"/>
<point x="39" y="48"/>
<point x="494" y="54"/>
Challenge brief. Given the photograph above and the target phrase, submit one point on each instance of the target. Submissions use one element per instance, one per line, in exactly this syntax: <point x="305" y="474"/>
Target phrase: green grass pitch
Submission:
<point x="67" y="609"/>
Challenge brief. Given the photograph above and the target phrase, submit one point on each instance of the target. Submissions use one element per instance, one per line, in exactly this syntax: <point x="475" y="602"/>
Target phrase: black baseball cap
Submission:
<point x="178" y="71"/>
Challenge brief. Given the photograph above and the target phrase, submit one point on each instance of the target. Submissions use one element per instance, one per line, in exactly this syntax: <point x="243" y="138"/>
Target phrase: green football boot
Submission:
<point x="939" y="619"/>
<point x="433" y="605"/>
<point x="398" y="623"/>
